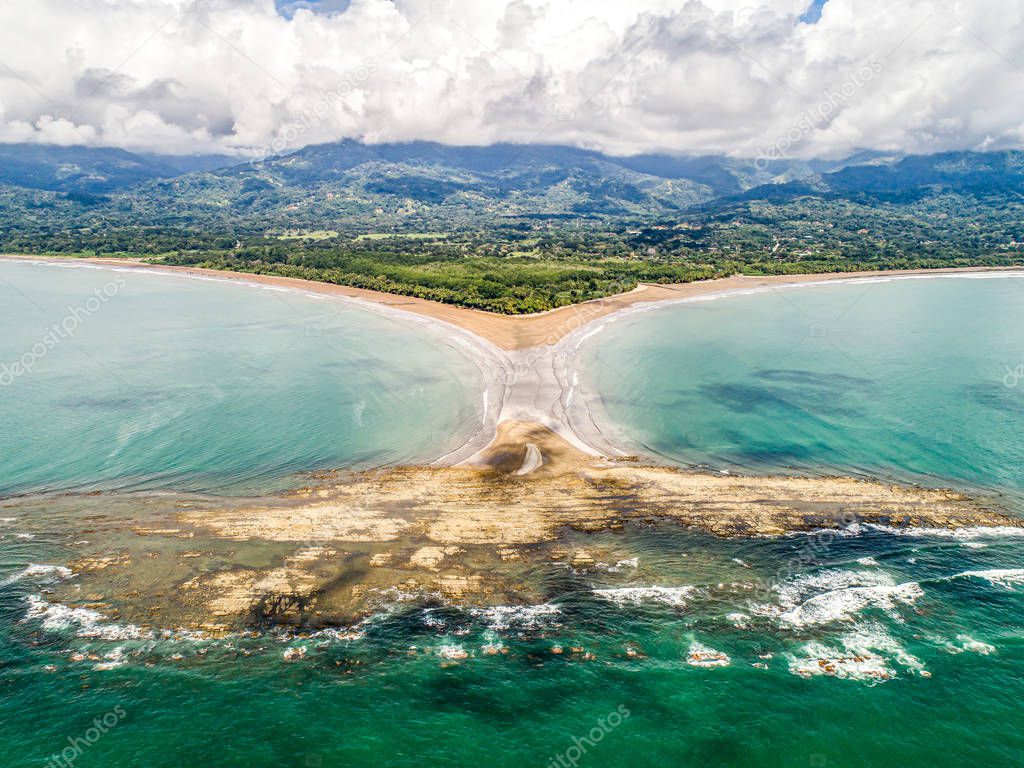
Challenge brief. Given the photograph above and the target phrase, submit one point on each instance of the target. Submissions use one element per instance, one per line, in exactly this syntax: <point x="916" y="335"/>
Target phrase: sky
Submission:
<point x="734" y="77"/>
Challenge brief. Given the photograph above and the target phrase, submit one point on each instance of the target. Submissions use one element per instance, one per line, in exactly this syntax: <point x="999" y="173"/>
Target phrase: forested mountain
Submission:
<point x="514" y="228"/>
<point x="92" y="169"/>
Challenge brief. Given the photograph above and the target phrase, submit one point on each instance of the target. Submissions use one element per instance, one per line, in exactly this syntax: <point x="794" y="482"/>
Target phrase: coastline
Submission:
<point x="527" y="362"/>
<point x="538" y="486"/>
<point x="519" y="332"/>
<point x="577" y="407"/>
<point x="337" y="552"/>
<point x="491" y="363"/>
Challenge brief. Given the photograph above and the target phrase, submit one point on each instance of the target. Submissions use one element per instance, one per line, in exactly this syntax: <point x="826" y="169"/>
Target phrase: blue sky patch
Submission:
<point x="287" y="8"/>
<point x="813" y="13"/>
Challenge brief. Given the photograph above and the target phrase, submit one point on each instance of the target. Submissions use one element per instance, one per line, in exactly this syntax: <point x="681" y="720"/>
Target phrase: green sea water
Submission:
<point x="870" y="648"/>
<point x="915" y="379"/>
<point x="147" y="382"/>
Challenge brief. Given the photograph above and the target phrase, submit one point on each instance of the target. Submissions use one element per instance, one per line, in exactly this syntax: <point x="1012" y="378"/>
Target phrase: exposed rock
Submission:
<point x="431" y="557"/>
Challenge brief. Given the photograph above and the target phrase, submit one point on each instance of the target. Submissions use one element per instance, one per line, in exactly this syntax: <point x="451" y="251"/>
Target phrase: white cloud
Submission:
<point x="730" y="76"/>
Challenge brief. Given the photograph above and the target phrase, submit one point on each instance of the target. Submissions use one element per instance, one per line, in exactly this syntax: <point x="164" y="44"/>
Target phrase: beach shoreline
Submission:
<point x="519" y="332"/>
<point x="527" y="363"/>
<point x="540" y="474"/>
<point x="333" y="553"/>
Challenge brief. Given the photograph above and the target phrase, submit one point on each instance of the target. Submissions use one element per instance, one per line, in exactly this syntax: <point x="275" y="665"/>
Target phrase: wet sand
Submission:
<point x="518" y="332"/>
<point x="470" y="527"/>
<point x="526" y="362"/>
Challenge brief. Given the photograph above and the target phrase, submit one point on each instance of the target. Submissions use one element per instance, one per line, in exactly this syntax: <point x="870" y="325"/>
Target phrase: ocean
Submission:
<point x="863" y="647"/>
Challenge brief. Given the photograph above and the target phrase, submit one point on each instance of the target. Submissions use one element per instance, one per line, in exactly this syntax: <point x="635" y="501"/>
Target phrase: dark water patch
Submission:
<point x="996" y="396"/>
<point x="788" y="402"/>
<point x="743" y="452"/>
<point x="833" y="382"/>
<point x="122" y="402"/>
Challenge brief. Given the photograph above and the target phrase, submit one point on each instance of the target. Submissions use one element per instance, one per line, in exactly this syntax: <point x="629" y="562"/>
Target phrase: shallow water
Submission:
<point x="918" y="380"/>
<point x="429" y="683"/>
<point x="875" y="648"/>
<point x="186" y="384"/>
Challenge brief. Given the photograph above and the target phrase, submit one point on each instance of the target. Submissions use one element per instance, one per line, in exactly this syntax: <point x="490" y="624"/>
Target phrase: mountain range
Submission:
<point x="349" y="184"/>
<point x="514" y="227"/>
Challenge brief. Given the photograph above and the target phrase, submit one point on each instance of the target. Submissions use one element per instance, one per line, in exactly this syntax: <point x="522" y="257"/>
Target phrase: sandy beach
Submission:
<point x="527" y="362"/>
<point x="517" y="332"/>
<point x="472" y="523"/>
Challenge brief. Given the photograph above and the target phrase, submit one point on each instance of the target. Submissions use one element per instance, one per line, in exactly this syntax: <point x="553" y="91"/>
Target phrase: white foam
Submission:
<point x="432" y="621"/>
<point x="845" y="604"/>
<point x="868" y="653"/>
<point x="85" y="621"/>
<point x="502" y="617"/>
<point x="968" y="534"/>
<point x="968" y="643"/>
<point x="112" y="660"/>
<point x="331" y="633"/>
<point x="452" y="652"/>
<point x="961" y="534"/>
<point x="999" y="577"/>
<point x="793" y="593"/>
<point x="701" y="656"/>
<point x="39" y="572"/>
<point x="675" y="596"/>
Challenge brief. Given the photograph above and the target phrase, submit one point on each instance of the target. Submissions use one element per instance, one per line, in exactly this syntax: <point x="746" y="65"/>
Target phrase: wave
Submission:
<point x="794" y="592"/>
<point x="969" y="534"/>
<point x="39" y="572"/>
<point x="839" y="595"/>
<point x="961" y="534"/>
<point x="844" y="604"/>
<point x="674" y="596"/>
<point x="502" y="617"/>
<point x="867" y="653"/>
<point x="84" y="621"/>
<point x="999" y="577"/>
<point x="970" y="645"/>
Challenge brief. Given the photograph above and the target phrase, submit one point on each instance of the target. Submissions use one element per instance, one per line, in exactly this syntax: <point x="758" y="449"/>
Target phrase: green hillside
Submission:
<point x="513" y="228"/>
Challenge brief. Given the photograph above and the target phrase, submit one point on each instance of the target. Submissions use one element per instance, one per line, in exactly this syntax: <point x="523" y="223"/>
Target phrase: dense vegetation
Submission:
<point x="524" y="229"/>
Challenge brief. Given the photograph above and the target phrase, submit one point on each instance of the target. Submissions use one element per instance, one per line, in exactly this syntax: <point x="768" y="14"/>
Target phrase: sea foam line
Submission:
<point x="41" y="572"/>
<point x="674" y="596"/>
<point x="845" y="604"/>
<point x="1000" y="577"/>
<point x="864" y="654"/>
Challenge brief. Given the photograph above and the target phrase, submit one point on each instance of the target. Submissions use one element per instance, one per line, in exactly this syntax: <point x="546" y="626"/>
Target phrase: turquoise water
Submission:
<point x="924" y="634"/>
<point x="184" y="384"/>
<point x="911" y="379"/>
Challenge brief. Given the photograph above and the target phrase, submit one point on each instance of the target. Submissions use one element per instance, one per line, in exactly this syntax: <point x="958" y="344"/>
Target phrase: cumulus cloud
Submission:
<point x="702" y="76"/>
